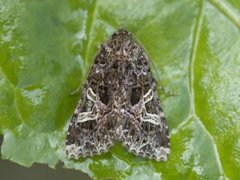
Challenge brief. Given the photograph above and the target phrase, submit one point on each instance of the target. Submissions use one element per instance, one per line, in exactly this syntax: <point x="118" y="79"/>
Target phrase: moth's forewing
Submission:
<point x="119" y="102"/>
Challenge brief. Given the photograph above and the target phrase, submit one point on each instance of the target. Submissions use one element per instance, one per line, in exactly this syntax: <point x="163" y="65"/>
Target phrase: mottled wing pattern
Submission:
<point x="87" y="133"/>
<point x="85" y="139"/>
<point x="147" y="132"/>
<point x="119" y="103"/>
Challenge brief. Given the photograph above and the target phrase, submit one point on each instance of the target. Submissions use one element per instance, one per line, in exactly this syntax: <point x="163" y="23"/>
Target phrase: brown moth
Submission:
<point x="119" y="103"/>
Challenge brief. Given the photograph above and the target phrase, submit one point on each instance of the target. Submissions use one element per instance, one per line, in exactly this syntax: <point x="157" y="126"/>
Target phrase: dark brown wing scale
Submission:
<point x="119" y="102"/>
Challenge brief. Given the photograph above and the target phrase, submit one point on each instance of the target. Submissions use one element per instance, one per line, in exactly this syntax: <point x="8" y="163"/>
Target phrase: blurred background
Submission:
<point x="13" y="171"/>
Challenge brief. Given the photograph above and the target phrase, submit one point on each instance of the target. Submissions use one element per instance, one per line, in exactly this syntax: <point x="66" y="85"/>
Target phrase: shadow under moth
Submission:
<point x="119" y="103"/>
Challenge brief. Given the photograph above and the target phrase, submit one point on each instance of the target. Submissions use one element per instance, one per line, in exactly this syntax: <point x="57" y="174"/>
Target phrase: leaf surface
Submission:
<point x="46" y="48"/>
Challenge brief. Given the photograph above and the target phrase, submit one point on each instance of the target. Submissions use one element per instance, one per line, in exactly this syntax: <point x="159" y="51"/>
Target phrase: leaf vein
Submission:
<point x="195" y="41"/>
<point x="226" y="11"/>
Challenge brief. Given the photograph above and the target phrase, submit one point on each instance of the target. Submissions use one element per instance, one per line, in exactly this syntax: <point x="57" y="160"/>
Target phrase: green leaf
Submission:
<point x="46" y="48"/>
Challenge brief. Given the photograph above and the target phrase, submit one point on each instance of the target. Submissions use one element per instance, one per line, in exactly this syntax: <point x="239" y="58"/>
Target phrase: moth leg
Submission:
<point x="76" y="91"/>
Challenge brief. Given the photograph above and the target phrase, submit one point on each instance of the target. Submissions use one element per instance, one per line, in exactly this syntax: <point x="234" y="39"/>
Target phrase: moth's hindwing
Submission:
<point x="119" y="103"/>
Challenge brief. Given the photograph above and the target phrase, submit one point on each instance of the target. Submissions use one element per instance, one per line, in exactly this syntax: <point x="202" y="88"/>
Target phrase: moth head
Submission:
<point x="121" y="46"/>
<point x="121" y="32"/>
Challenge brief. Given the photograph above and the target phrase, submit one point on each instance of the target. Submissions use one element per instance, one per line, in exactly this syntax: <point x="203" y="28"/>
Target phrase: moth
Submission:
<point x="119" y="103"/>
